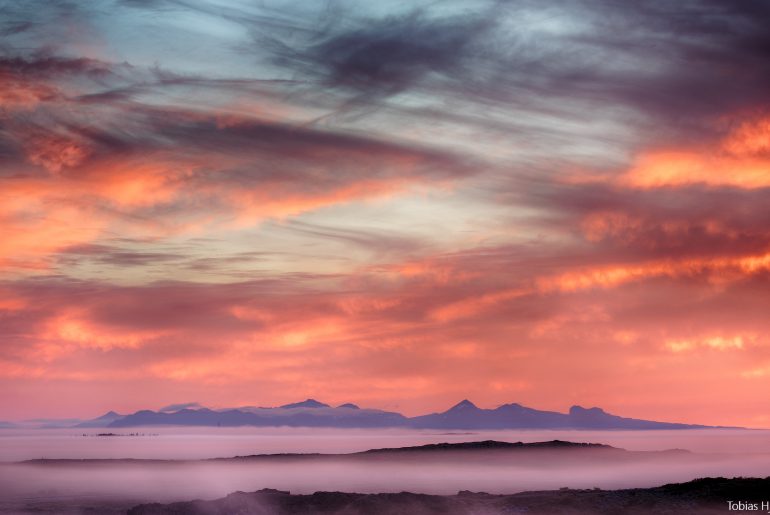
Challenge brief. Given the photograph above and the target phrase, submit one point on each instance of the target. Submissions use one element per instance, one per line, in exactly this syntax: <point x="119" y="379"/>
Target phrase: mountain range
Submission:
<point x="312" y="413"/>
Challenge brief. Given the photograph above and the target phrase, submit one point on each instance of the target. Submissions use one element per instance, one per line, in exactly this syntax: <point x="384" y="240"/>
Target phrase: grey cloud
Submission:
<point x="673" y="65"/>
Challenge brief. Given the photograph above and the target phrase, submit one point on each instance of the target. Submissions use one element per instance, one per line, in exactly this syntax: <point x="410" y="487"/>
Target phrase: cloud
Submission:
<point x="421" y="202"/>
<point x="177" y="407"/>
<point x="740" y="160"/>
<point x="371" y="325"/>
<point x="714" y="342"/>
<point x="146" y="170"/>
<point x="560" y="59"/>
<point x="387" y="56"/>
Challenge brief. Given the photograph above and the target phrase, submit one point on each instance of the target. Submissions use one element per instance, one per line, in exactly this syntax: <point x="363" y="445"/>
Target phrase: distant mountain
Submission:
<point x="494" y="445"/>
<point x="597" y="418"/>
<point x="309" y="413"/>
<point x="103" y="421"/>
<point x="467" y="415"/>
<point x="309" y="403"/>
<point x="312" y="413"/>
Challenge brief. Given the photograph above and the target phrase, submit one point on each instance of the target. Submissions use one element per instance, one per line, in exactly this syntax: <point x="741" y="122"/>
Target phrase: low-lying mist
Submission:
<point x="178" y="443"/>
<point x="726" y="453"/>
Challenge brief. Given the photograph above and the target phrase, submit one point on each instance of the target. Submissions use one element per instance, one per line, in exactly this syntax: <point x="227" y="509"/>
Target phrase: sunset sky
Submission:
<point x="397" y="204"/>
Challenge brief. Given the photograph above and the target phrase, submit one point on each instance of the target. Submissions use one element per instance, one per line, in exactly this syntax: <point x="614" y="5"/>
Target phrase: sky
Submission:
<point x="397" y="204"/>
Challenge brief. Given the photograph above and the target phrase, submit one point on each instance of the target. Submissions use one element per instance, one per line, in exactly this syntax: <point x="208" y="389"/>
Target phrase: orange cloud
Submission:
<point x="441" y="271"/>
<point x="42" y="215"/>
<point x="719" y="270"/>
<point x="740" y="160"/>
<point x="473" y="306"/>
<point x="11" y="303"/>
<point x="626" y="227"/>
<point x="30" y="238"/>
<point x="613" y="275"/>
<point x="54" y="152"/>
<point x="18" y="93"/>
<point x="756" y="373"/>
<point x="750" y="138"/>
<point x="682" y="168"/>
<point x="73" y="328"/>
<point x="721" y="343"/>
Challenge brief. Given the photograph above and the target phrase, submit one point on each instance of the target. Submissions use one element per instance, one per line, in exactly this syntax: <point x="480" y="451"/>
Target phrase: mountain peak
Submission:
<point x="348" y="405"/>
<point x="308" y="403"/>
<point x="463" y="405"/>
<point x="580" y="410"/>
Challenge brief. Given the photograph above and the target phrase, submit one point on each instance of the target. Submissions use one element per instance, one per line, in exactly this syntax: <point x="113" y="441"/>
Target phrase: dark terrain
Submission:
<point x="701" y="496"/>
<point x="487" y="451"/>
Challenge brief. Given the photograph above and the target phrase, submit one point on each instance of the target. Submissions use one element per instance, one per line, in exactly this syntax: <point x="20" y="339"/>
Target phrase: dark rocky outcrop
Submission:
<point x="701" y="496"/>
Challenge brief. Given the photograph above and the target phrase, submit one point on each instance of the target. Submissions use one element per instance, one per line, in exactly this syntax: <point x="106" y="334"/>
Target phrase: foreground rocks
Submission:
<point x="701" y="496"/>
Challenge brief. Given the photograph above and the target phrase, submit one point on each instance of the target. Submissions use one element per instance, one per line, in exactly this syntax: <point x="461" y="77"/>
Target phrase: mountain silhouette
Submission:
<point x="597" y="418"/>
<point x="492" y="445"/>
<point x="103" y="421"/>
<point x="312" y="413"/>
<point x="309" y="403"/>
<point x="467" y="415"/>
<point x="308" y="413"/>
